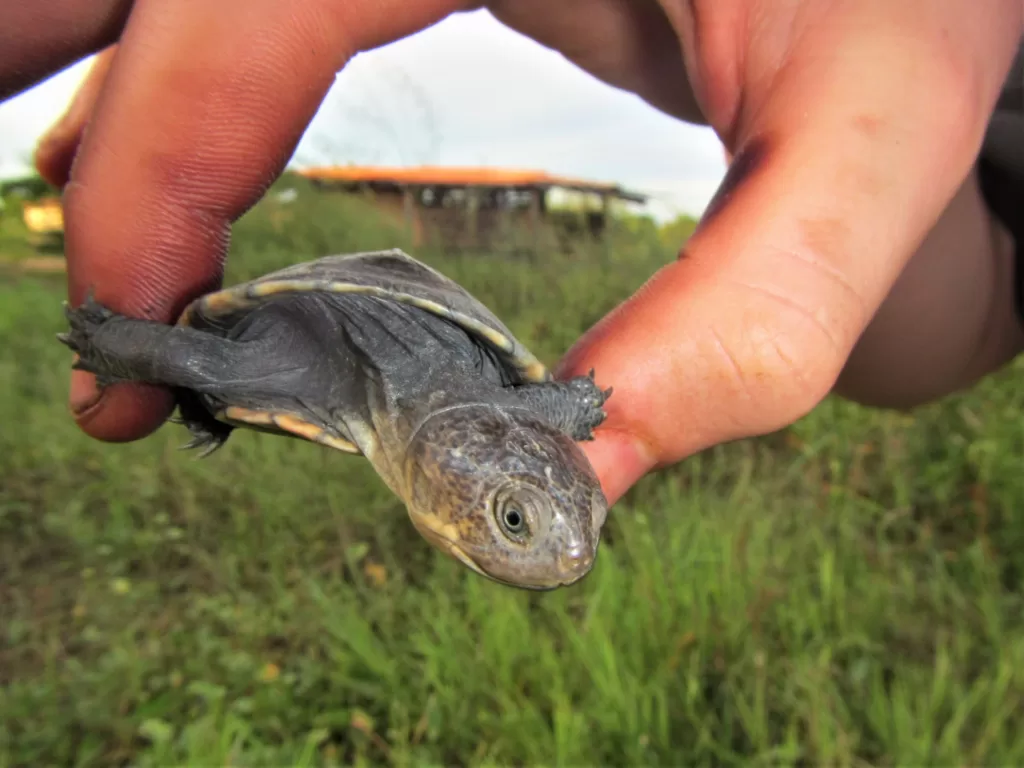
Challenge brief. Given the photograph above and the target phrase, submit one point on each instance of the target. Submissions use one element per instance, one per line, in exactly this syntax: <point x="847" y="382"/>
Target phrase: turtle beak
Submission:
<point x="574" y="562"/>
<point x="574" y="565"/>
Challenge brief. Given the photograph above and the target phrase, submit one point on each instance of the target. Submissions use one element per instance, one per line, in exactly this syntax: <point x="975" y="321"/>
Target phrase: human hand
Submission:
<point x="852" y="124"/>
<point x="174" y="135"/>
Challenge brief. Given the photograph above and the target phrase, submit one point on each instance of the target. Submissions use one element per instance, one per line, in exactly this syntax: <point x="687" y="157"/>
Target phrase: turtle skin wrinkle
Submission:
<point x="456" y="417"/>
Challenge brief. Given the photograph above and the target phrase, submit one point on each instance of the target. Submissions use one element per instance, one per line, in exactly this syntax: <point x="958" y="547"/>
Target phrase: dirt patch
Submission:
<point x="35" y="264"/>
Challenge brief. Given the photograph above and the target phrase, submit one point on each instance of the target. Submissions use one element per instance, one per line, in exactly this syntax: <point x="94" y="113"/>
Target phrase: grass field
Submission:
<point x="847" y="592"/>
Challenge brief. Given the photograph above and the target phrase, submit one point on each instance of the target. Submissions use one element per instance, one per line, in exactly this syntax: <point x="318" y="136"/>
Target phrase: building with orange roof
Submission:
<point x="460" y="206"/>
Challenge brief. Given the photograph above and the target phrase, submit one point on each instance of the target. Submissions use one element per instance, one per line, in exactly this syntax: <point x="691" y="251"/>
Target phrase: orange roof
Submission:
<point x="458" y="176"/>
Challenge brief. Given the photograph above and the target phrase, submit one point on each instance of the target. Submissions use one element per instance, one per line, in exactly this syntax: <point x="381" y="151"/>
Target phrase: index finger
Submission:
<point x="202" y="108"/>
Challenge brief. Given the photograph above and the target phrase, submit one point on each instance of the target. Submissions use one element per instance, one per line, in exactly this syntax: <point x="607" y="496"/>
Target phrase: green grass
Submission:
<point x="844" y="593"/>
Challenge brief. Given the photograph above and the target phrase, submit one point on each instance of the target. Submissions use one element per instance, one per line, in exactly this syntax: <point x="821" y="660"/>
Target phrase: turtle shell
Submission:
<point x="388" y="274"/>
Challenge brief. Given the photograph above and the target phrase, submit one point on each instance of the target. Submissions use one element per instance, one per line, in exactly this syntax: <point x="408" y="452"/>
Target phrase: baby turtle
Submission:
<point x="380" y="355"/>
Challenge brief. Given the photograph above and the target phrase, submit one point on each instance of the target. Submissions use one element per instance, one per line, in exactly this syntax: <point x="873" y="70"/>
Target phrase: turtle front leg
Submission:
<point x="573" y="406"/>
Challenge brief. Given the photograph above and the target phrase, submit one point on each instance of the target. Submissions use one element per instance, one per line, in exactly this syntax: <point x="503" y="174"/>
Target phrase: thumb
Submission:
<point x="828" y="195"/>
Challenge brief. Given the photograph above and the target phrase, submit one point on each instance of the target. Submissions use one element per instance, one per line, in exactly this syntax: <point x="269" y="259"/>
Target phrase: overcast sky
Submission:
<point x="466" y="92"/>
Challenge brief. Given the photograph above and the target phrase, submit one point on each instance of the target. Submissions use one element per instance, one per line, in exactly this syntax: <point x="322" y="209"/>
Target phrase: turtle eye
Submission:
<point x="512" y="519"/>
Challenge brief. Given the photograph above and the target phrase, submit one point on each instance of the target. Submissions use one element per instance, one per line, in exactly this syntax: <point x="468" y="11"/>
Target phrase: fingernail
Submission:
<point x="84" y="394"/>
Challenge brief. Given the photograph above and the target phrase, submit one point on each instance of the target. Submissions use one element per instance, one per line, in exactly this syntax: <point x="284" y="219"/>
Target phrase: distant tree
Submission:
<point x="31" y="186"/>
<point x="676" y="232"/>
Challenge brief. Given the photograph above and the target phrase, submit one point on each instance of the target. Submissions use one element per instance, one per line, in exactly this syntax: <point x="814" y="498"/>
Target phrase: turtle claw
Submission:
<point x="208" y="441"/>
<point x="208" y="434"/>
<point x="209" y="449"/>
<point x="85" y="321"/>
<point x="590" y="400"/>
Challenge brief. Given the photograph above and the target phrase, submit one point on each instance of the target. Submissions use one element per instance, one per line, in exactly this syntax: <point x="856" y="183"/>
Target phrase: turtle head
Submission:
<point x="505" y="494"/>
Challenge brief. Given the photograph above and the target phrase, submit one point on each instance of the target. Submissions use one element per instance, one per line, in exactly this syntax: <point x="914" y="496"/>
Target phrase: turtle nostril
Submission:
<point x="574" y="557"/>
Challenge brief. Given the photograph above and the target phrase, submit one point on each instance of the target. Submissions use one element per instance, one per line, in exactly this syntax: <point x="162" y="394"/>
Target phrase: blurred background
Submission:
<point x="844" y="592"/>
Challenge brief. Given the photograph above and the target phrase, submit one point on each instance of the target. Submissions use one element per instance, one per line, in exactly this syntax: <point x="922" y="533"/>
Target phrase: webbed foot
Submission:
<point x="590" y="400"/>
<point x="574" y="406"/>
<point x="85" y="322"/>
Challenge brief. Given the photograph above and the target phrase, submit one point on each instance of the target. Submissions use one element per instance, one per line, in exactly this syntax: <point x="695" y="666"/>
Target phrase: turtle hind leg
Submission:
<point x="574" y="406"/>
<point x="208" y="433"/>
<point x="85" y="322"/>
<point x="115" y="348"/>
